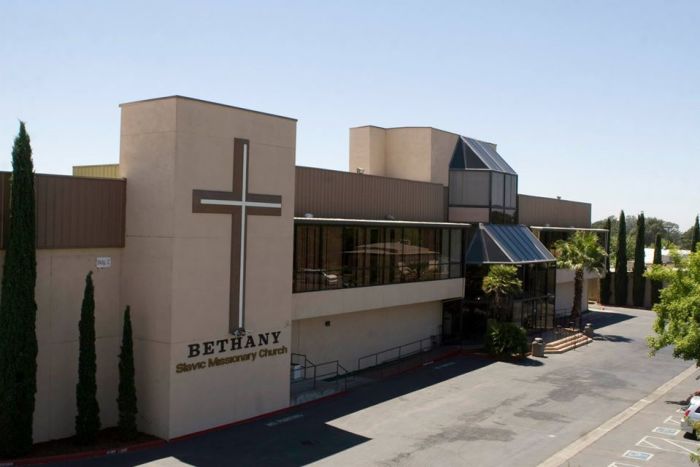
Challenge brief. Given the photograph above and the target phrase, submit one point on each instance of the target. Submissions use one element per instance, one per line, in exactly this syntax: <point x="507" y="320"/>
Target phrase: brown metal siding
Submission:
<point x="72" y="212"/>
<point x="329" y="193"/>
<point x="539" y="211"/>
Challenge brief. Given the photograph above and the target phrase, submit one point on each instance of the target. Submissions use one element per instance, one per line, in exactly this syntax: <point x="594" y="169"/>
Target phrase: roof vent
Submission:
<point x="360" y="170"/>
<point x="389" y="217"/>
<point x="308" y="215"/>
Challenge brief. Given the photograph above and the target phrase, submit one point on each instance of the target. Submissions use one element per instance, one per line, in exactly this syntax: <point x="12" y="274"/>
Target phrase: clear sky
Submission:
<point x="596" y="101"/>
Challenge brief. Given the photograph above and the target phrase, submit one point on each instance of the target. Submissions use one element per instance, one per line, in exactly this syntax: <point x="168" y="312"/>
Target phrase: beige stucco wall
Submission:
<point x="352" y="335"/>
<point x="411" y="153"/>
<point x="565" y="291"/>
<point x="59" y="294"/>
<point x="441" y="148"/>
<point x="368" y="150"/>
<point x="342" y="301"/>
<point x="177" y="263"/>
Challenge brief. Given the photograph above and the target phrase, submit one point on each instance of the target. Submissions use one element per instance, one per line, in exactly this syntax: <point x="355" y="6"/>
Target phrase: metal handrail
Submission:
<point x="334" y="372"/>
<point x="399" y="354"/>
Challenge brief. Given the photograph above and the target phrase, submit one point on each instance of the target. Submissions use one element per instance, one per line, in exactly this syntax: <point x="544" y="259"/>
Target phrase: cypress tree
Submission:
<point x="87" y="421"/>
<point x="605" y="281"/>
<point x="126" y="402"/>
<point x="656" y="285"/>
<point x="638" y="279"/>
<point x="18" y="344"/>
<point x="621" y="263"/>
<point x="696" y="235"/>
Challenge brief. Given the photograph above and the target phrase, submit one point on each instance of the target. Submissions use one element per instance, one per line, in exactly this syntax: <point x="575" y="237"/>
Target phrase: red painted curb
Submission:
<point x="82" y="455"/>
<point x="159" y="443"/>
<point x="256" y="418"/>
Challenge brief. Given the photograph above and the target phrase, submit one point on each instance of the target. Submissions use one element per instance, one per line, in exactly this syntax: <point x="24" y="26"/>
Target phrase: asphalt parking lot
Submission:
<point x="651" y="438"/>
<point x="466" y="410"/>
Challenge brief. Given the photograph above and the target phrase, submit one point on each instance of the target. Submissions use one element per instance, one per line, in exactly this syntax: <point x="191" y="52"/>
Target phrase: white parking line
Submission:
<point x="591" y="437"/>
<point x="638" y="455"/>
<point x="664" y="430"/>
<point x="672" y="421"/>
<point x="621" y="464"/>
<point x="665" y="444"/>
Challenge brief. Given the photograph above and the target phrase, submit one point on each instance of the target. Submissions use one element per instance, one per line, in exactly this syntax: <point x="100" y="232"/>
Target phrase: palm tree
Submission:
<point x="580" y="252"/>
<point x="501" y="282"/>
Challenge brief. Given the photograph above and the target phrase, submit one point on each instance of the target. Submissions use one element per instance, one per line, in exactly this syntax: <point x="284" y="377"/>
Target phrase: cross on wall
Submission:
<point x="239" y="204"/>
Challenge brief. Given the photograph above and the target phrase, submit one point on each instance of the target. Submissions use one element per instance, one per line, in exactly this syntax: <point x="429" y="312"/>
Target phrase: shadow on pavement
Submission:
<point x="611" y="338"/>
<point x="527" y="362"/>
<point x="302" y="434"/>
<point x="601" y="319"/>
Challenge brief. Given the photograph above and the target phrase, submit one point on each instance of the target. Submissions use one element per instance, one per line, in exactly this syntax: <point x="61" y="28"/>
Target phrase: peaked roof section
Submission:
<point x="471" y="153"/>
<point x="506" y="244"/>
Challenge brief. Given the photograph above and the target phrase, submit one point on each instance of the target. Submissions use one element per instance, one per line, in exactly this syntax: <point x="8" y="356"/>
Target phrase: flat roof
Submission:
<point x="395" y="223"/>
<point x="176" y="96"/>
<point x="568" y="229"/>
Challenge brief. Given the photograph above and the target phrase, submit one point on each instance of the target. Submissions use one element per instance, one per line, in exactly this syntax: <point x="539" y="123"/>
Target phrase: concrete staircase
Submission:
<point x="571" y="342"/>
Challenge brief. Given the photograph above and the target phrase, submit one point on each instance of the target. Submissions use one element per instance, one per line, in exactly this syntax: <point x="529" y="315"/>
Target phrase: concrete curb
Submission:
<point x="591" y="437"/>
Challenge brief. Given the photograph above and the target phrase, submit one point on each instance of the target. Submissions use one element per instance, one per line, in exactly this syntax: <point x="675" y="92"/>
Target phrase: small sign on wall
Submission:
<point x="103" y="262"/>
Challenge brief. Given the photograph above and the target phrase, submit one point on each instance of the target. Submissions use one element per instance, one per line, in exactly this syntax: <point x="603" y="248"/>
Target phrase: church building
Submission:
<point x="243" y="270"/>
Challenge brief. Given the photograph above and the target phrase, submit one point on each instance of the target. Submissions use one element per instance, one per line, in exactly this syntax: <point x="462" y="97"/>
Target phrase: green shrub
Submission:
<point x="505" y="339"/>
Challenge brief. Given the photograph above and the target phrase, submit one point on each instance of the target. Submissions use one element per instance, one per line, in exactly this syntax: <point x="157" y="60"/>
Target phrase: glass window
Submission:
<point x="429" y="254"/>
<point x="332" y="256"/>
<point x="456" y="253"/>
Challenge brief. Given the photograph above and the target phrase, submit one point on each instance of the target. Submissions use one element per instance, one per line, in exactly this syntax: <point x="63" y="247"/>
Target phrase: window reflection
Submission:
<point x="332" y="256"/>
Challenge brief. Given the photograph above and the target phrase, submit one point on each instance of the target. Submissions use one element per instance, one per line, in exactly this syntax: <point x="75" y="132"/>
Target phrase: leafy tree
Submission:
<point x="696" y="235"/>
<point x="621" y="263"/>
<point x="653" y="225"/>
<point x="126" y="401"/>
<point x="605" y="280"/>
<point x="87" y="421"/>
<point x="658" y="260"/>
<point x="580" y="252"/>
<point x="638" y="279"/>
<point x="501" y="283"/>
<point x="677" y="321"/>
<point x="18" y="344"/>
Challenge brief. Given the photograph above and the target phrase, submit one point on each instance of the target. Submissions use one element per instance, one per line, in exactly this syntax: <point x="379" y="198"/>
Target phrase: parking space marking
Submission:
<point x="621" y="464"/>
<point x="672" y="421"/>
<point x="444" y="365"/>
<point x="663" y="430"/>
<point x="638" y="455"/>
<point x="279" y="421"/>
<point x="665" y="444"/>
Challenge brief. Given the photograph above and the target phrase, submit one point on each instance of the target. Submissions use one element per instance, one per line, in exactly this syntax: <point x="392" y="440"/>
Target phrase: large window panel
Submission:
<point x="332" y="272"/>
<point x="497" y="185"/>
<point x="429" y="254"/>
<point x="334" y="256"/>
<point x="410" y="265"/>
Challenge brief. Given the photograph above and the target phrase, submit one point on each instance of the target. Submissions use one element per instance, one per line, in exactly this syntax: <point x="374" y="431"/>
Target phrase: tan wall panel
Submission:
<point x="178" y="263"/>
<point x="343" y="301"/>
<point x="368" y="150"/>
<point x="59" y="293"/>
<point x="536" y="210"/>
<point x="408" y="153"/>
<point x="98" y="171"/>
<point x="328" y="193"/>
<point x="442" y="147"/>
<point x="355" y="335"/>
